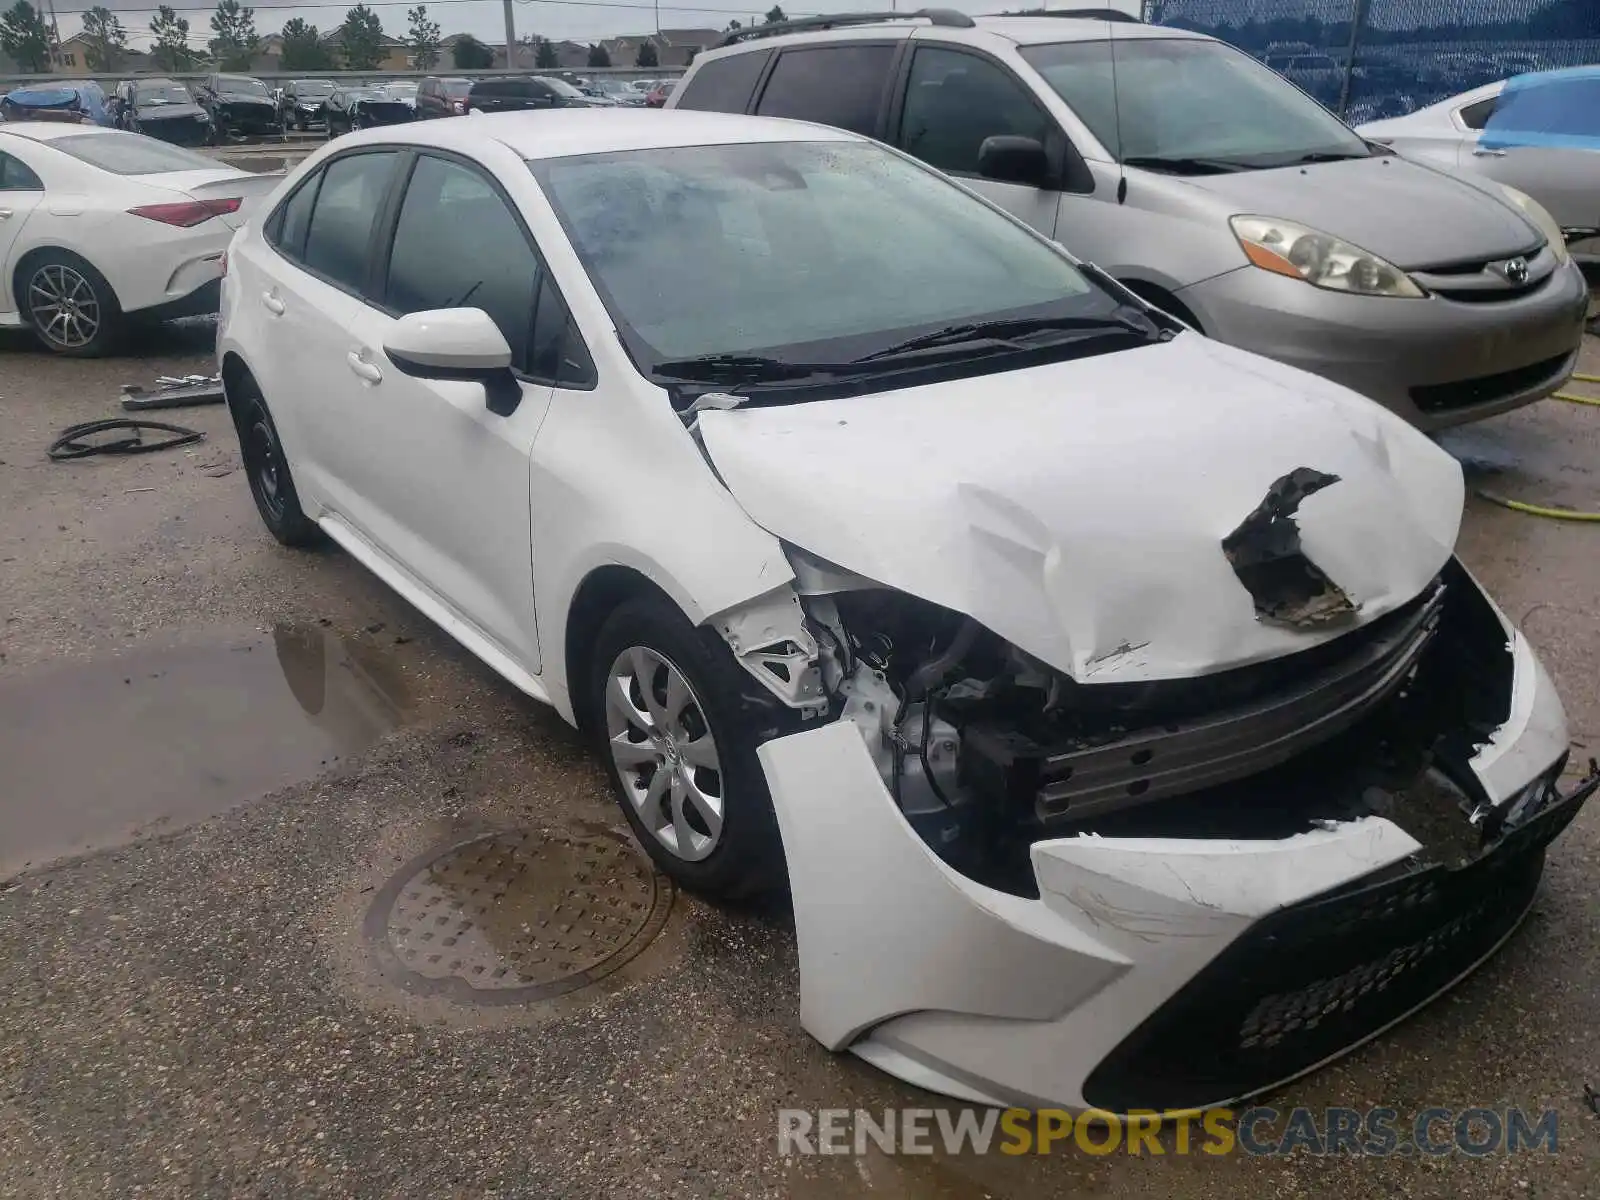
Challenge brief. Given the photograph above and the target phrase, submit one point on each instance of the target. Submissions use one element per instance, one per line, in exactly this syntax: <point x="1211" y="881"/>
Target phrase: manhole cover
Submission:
<point x="517" y="916"/>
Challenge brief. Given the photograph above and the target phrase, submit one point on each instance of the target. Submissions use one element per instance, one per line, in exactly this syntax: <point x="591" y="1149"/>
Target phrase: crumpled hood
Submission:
<point x="170" y="112"/>
<point x="1079" y="509"/>
<point x="1402" y="211"/>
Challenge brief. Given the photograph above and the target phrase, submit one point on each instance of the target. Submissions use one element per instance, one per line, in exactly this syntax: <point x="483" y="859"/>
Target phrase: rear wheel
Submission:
<point x="680" y="747"/>
<point x="271" y="484"/>
<point x="70" y="305"/>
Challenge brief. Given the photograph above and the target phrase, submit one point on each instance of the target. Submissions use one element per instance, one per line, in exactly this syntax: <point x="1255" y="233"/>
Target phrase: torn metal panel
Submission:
<point x="1093" y="541"/>
<point x="1267" y="557"/>
<point x="770" y="638"/>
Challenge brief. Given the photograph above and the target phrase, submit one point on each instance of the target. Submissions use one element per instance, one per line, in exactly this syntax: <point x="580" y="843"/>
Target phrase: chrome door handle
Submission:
<point x="1481" y="153"/>
<point x="272" y="304"/>
<point x="363" y="369"/>
<point x="5" y="214"/>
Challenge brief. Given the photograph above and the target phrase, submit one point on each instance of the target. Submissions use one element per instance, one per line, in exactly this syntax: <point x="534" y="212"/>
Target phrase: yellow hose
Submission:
<point x="1539" y="510"/>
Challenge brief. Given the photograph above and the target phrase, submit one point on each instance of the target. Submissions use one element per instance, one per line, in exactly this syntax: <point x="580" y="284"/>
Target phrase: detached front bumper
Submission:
<point x="1163" y="973"/>
<point x="1436" y="362"/>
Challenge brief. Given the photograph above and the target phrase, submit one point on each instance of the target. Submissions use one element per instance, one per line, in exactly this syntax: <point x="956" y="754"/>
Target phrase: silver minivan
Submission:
<point x="1207" y="183"/>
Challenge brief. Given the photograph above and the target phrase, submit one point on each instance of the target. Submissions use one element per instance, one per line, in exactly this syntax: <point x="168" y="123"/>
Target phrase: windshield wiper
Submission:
<point x="724" y="368"/>
<point x="1185" y="166"/>
<point x="1124" y="319"/>
<point x="1323" y="156"/>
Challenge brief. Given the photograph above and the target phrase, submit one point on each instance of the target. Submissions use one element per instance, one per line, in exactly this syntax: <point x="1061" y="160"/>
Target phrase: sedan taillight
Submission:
<point x="186" y="213"/>
<point x="459" y="105"/>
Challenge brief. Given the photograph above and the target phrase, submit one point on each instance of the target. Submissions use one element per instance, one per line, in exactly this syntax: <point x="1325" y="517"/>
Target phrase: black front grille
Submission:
<point x="1317" y="978"/>
<point x="1464" y="393"/>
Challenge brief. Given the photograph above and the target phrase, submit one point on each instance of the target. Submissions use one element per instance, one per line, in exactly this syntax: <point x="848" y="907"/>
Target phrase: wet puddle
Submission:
<point x="99" y="753"/>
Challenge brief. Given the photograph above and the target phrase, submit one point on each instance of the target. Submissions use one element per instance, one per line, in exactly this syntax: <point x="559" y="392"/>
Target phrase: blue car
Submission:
<point x="70" y="100"/>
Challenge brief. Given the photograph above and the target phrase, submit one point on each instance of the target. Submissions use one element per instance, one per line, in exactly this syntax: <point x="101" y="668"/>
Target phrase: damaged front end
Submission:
<point x="1159" y="894"/>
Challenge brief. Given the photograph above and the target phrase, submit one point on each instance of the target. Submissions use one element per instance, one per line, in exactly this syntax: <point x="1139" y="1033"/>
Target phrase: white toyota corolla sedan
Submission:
<point x="99" y="228"/>
<point x="1110" y="699"/>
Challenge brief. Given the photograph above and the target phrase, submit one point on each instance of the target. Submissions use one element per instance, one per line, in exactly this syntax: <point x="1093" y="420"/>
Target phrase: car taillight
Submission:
<point x="186" y="213"/>
<point x="458" y="105"/>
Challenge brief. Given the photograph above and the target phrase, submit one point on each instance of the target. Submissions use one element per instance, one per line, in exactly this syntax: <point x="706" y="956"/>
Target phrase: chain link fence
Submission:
<point x="1368" y="59"/>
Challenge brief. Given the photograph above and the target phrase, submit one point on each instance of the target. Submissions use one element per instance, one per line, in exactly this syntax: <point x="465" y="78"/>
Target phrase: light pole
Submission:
<point x="511" y="36"/>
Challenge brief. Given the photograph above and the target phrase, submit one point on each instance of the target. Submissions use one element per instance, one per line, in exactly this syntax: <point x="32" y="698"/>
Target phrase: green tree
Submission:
<point x="599" y="56"/>
<point x="544" y="54"/>
<point x="235" y="40"/>
<point x="25" y="37"/>
<point x="361" y="36"/>
<point x="105" y="39"/>
<point x="647" y="56"/>
<point x="171" y="50"/>
<point x="469" y="54"/>
<point x="424" y="38"/>
<point x="303" y="49"/>
<point x="774" y="15"/>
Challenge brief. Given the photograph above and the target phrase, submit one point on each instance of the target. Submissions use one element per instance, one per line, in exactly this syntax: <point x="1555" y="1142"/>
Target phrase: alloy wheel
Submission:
<point x="63" y="305"/>
<point x="664" y="752"/>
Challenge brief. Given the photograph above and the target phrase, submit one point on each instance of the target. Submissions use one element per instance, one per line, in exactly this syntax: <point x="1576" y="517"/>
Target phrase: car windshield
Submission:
<point x="241" y="87"/>
<point x="456" y="89"/>
<point x="312" y="87"/>
<point x="165" y="93"/>
<point x="131" y="153"/>
<point x="400" y="89"/>
<point x="1190" y="101"/>
<point x="799" y="251"/>
<point x="561" y="87"/>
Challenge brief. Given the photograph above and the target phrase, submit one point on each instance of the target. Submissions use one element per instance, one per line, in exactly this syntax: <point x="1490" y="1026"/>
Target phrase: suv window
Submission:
<point x="340" y="232"/>
<point x="15" y="177"/>
<point x="724" y="84"/>
<point x="1476" y="116"/>
<point x="457" y="242"/>
<point x="954" y="101"/>
<point x="835" y="85"/>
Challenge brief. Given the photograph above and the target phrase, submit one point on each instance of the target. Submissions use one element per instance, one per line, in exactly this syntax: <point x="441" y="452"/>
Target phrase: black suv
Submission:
<point x="526" y="92"/>
<point x="442" y="97"/>
<point x="237" y="104"/>
<point x="301" y="102"/>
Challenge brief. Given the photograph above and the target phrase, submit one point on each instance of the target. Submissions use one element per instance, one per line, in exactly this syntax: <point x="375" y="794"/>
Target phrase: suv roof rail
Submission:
<point x="947" y="17"/>
<point x="1082" y="14"/>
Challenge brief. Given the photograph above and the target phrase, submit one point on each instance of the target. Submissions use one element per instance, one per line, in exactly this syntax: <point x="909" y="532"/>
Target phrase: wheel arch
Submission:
<point x="1162" y="298"/>
<point x="598" y="595"/>
<point x="235" y="372"/>
<point x="26" y="259"/>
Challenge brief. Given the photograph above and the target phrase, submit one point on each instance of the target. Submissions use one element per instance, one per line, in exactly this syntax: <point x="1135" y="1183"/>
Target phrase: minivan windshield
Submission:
<point x="1191" y="104"/>
<point x="806" y="252"/>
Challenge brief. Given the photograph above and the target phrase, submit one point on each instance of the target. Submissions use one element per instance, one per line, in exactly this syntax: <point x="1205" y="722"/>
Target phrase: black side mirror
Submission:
<point x="1008" y="158"/>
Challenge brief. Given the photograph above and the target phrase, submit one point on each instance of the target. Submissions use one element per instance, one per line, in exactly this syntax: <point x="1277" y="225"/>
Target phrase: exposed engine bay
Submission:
<point x="986" y="749"/>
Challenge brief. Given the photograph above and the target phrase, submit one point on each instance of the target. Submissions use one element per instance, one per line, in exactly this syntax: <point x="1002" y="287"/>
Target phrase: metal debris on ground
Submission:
<point x="71" y="443"/>
<point x="181" y="391"/>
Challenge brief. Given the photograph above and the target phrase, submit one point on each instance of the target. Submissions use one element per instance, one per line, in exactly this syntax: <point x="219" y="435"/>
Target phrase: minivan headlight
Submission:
<point x="1320" y="259"/>
<point x="1540" y="216"/>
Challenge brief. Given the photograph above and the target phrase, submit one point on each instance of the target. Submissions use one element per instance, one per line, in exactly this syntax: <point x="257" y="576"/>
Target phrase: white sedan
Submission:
<point x="100" y="228"/>
<point x="1110" y="699"/>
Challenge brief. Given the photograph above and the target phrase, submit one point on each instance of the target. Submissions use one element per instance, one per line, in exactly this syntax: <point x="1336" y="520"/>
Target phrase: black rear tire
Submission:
<point x="267" y="468"/>
<point x="747" y="860"/>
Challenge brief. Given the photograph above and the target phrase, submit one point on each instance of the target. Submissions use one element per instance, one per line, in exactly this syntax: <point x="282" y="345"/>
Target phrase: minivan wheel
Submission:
<point x="666" y="702"/>
<point x="266" y="467"/>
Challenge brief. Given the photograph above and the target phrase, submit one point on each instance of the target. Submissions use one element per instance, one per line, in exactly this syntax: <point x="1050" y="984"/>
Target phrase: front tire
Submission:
<point x="70" y="305"/>
<point x="666" y="702"/>
<point x="266" y="466"/>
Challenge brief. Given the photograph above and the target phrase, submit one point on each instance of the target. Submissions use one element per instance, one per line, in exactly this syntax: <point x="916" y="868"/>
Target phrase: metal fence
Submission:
<point x="1368" y="59"/>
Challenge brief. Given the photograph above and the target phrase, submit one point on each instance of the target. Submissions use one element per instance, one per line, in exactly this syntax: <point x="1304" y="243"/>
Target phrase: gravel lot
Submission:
<point x="243" y="745"/>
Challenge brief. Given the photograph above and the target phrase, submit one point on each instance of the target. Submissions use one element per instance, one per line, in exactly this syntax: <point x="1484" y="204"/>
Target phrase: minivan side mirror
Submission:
<point x="1008" y="158"/>
<point x="461" y="344"/>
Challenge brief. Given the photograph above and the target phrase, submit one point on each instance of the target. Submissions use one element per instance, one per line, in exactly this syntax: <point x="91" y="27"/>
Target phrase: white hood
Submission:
<point x="1078" y="509"/>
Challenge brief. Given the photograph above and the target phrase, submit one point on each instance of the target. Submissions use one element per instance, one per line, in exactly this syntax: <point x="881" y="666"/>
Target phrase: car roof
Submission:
<point x="48" y="131"/>
<point x="155" y="81"/>
<point x="563" y="133"/>
<point x="1019" y="30"/>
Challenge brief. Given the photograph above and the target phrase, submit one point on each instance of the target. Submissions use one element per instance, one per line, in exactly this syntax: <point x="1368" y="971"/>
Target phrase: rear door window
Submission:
<point x="1476" y="116"/>
<point x="725" y="84"/>
<point x="15" y="177"/>
<point x="956" y="100"/>
<point x="339" y="237"/>
<point x="839" y="85"/>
